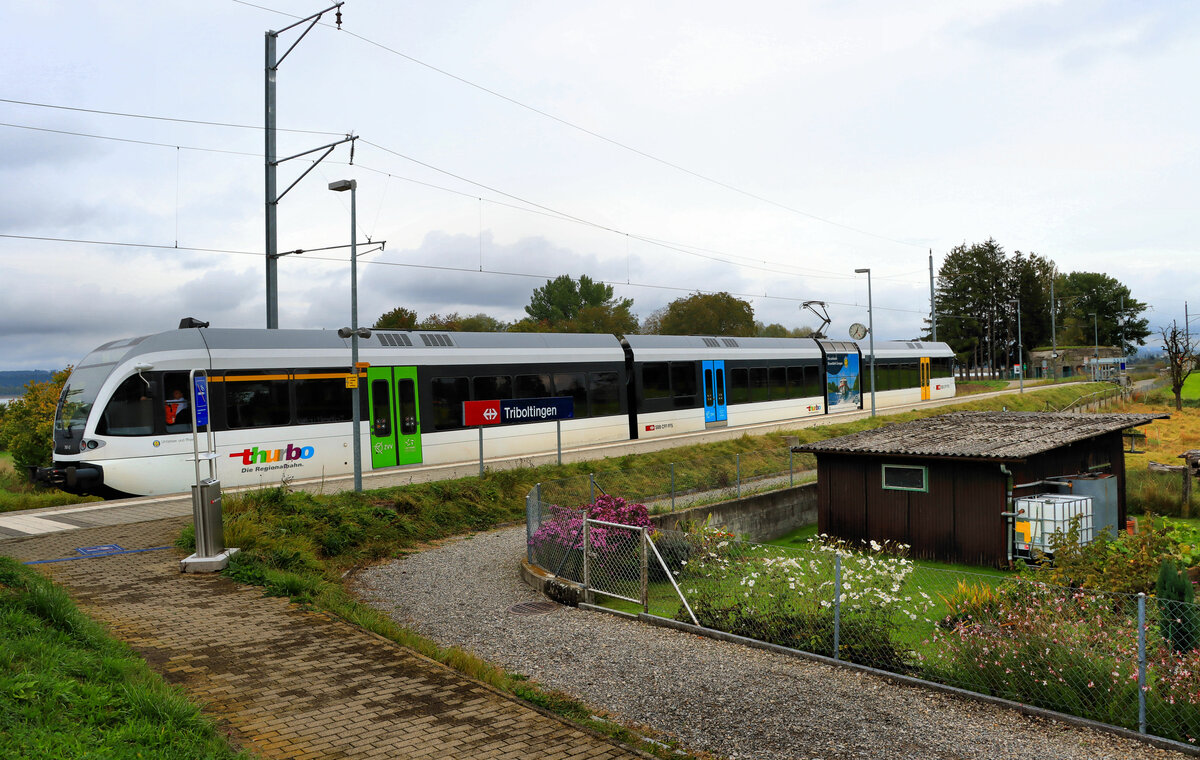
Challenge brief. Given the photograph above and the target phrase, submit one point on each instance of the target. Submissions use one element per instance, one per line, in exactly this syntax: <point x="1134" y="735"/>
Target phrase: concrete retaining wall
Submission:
<point x="762" y="517"/>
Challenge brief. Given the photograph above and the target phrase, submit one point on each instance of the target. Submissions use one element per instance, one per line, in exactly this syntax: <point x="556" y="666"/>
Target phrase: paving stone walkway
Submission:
<point x="288" y="683"/>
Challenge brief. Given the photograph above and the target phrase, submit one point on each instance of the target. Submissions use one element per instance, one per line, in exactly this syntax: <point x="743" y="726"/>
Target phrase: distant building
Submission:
<point x="1076" y="361"/>
<point x="942" y="484"/>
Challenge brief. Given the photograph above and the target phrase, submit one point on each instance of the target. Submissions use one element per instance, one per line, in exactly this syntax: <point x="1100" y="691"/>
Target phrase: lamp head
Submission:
<point x="343" y="184"/>
<point x="862" y="271"/>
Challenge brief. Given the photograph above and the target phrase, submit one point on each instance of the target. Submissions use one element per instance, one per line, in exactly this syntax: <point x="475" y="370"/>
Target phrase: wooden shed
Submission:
<point x="942" y="484"/>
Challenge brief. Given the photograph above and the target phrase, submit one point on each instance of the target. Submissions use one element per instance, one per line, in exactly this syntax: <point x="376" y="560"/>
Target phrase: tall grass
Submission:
<point x="16" y="492"/>
<point x="68" y="690"/>
<point x="1162" y="493"/>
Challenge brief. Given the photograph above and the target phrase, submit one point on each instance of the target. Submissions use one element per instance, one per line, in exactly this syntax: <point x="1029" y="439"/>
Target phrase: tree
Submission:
<point x="1096" y="308"/>
<point x="583" y="305"/>
<point x="708" y="314"/>
<point x="971" y="300"/>
<point x="27" y="430"/>
<point x="398" y="318"/>
<point x="776" y="330"/>
<point x="1181" y="358"/>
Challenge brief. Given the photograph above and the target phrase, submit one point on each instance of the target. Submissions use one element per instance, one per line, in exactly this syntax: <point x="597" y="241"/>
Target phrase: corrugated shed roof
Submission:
<point x="981" y="435"/>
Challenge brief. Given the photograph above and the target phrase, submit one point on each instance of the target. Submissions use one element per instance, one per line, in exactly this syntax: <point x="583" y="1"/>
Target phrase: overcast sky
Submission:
<point x="767" y="149"/>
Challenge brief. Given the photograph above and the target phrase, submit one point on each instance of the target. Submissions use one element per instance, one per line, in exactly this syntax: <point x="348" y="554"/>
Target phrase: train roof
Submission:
<point x="907" y="348"/>
<point x="225" y="340"/>
<point x="667" y="347"/>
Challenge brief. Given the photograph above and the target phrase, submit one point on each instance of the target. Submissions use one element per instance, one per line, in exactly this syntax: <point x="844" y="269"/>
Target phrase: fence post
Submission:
<point x="837" y="605"/>
<point x="739" y="475"/>
<point x="592" y="484"/>
<point x="587" y="565"/>
<point x="672" y="486"/>
<point x="645" y="571"/>
<point x="529" y="507"/>
<point x="791" y="471"/>
<point x="1142" y="662"/>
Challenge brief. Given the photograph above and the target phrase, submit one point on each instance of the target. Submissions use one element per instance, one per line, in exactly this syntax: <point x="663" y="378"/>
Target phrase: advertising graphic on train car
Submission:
<point x="841" y="382"/>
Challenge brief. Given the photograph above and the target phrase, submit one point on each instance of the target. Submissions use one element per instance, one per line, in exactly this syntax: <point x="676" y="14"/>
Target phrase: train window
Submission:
<point x="709" y="396"/>
<point x="574" y="385"/>
<point x="177" y="402"/>
<point x="531" y="386"/>
<point x="130" y="411"/>
<point x="323" y="397"/>
<point x="758" y="384"/>
<point x="604" y="388"/>
<point x="777" y="378"/>
<point x="683" y="383"/>
<point x="720" y="386"/>
<point x="406" y="401"/>
<point x="739" y="385"/>
<point x="943" y="367"/>
<point x="656" y="382"/>
<point x="381" y="408"/>
<point x="257" y="400"/>
<point x="449" y="393"/>
<point x="492" y="387"/>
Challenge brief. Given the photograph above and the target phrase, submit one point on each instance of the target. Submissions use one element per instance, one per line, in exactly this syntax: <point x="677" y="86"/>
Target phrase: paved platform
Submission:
<point x="285" y="682"/>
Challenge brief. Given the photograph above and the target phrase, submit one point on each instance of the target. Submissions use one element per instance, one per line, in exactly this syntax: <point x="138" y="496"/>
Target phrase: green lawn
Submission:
<point x="1191" y="386"/>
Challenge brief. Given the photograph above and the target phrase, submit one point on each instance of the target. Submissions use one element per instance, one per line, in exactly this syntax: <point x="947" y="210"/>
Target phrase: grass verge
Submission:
<point x="68" y="690"/>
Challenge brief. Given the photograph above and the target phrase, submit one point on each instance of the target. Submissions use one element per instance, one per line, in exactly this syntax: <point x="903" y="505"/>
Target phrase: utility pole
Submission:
<point x="271" y="163"/>
<point x="932" y="302"/>
<point x="1053" y="332"/>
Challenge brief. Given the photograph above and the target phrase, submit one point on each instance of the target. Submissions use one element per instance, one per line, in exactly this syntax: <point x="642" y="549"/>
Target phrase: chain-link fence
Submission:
<point x="1127" y="660"/>
<point x="668" y="487"/>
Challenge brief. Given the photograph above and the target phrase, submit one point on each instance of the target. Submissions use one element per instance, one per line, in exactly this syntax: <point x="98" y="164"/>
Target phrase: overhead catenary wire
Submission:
<point x="528" y="207"/>
<point x="437" y="267"/>
<point x="597" y="135"/>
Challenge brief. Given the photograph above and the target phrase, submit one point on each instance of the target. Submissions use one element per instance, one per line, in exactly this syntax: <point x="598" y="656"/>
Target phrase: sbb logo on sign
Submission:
<point x="481" y="413"/>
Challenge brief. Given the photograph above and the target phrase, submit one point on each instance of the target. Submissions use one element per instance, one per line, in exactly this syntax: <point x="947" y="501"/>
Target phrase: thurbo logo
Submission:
<point x="267" y="456"/>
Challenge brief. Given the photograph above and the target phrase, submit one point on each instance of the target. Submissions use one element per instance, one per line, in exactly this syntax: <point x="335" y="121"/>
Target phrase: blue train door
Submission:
<point x="714" y="392"/>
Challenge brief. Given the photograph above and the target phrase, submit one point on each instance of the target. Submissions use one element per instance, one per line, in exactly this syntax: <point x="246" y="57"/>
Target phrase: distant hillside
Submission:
<point x="12" y="383"/>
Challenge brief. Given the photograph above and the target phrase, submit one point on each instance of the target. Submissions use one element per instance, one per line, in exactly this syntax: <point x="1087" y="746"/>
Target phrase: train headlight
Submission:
<point x="92" y="444"/>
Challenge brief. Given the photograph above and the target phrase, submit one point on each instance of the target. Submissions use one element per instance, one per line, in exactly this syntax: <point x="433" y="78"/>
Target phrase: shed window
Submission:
<point x="905" y="477"/>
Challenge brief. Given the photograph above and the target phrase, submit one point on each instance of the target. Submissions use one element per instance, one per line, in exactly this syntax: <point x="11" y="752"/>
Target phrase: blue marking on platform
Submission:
<point x="93" y="551"/>
<point x="94" y="556"/>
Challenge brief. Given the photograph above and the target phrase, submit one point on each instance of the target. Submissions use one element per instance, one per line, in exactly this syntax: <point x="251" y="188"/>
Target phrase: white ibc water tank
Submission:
<point x="1038" y="517"/>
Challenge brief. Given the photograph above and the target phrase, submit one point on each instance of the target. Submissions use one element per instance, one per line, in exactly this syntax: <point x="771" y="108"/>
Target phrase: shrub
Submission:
<point x="1127" y="564"/>
<point x="1179" y="618"/>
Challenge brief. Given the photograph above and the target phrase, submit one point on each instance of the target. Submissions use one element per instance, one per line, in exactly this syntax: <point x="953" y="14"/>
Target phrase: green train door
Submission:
<point x="394" y="416"/>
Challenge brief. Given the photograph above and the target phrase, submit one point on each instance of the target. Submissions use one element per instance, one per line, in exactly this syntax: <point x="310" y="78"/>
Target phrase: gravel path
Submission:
<point x="727" y="699"/>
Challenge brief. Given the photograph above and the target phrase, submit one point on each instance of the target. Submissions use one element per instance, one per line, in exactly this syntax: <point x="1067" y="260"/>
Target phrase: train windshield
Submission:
<point x="78" y="396"/>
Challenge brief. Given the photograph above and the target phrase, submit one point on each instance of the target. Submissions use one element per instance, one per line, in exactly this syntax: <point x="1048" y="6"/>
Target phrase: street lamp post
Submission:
<point x="871" y="332"/>
<point x="1020" y="347"/>
<point x="353" y="333"/>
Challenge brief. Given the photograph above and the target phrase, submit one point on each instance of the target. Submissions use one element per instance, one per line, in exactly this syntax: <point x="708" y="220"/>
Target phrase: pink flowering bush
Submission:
<point x="562" y="534"/>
